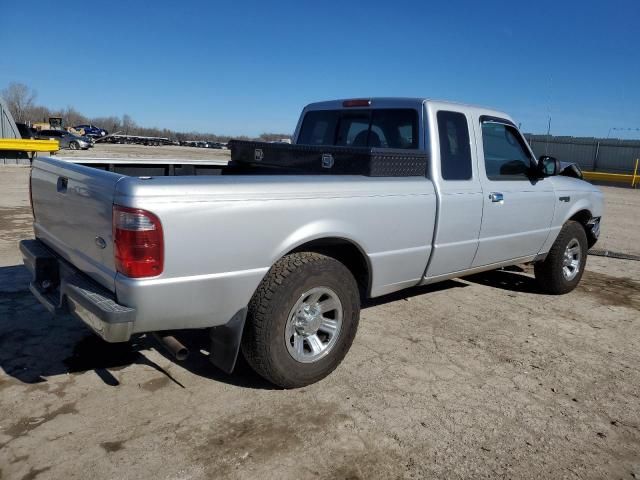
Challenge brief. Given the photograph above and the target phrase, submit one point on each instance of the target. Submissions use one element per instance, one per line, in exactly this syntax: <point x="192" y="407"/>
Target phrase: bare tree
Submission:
<point x="38" y="113"/>
<point x="112" y="124"/>
<point x="128" y="125"/>
<point x="19" y="99"/>
<point x="273" y="137"/>
<point x="71" y="117"/>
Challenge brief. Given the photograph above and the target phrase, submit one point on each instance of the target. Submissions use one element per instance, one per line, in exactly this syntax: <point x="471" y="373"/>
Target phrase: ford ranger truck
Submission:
<point x="276" y="264"/>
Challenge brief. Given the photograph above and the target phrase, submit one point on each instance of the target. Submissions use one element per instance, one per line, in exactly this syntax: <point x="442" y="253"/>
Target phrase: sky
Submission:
<point x="248" y="67"/>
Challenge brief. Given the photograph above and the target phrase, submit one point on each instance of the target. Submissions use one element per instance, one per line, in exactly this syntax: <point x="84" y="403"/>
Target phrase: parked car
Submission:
<point x="66" y="139"/>
<point x="92" y="130"/>
<point x="90" y="140"/>
<point x="426" y="191"/>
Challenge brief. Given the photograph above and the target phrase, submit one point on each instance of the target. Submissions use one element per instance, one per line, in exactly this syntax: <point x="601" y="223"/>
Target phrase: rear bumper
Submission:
<point x="61" y="287"/>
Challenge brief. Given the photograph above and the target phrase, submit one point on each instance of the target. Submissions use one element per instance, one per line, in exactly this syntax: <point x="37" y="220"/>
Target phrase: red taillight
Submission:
<point x="357" y="102"/>
<point x="138" y="243"/>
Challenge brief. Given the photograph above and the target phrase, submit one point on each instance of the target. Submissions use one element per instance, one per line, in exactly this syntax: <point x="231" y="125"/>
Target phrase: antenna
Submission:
<point x="546" y="145"/>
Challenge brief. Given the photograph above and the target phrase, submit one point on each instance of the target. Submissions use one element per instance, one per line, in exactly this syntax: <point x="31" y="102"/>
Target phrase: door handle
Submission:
<point x="496" y="197"/>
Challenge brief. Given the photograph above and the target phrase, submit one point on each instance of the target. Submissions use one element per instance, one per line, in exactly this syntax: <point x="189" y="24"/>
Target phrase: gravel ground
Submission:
<point x="476" y="378"/>
<point x="621" y="221"/>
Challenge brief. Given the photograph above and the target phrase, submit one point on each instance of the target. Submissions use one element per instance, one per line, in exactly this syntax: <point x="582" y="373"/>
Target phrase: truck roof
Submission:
<point x="389" y="102"/>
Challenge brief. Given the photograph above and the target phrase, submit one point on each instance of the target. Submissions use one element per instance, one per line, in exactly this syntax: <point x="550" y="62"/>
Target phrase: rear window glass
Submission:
<point x="353" y="130"/>
<point x="378" y="128"/>
<point x="319" y="128"/>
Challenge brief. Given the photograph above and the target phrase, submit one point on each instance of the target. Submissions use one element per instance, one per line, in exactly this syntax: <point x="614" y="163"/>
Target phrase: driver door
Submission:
<point x="517" y="209"/>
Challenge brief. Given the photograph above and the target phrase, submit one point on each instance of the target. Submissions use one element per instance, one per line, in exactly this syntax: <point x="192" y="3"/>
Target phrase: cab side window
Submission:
<point x="455" y="148"/>
<point x="505" y="155"/>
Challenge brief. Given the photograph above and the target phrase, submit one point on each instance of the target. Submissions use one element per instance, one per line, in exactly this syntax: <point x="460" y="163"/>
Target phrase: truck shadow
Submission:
<point x="513" y="279"/>
<point x="413" y="292"/>
<point x="35" y="345"/>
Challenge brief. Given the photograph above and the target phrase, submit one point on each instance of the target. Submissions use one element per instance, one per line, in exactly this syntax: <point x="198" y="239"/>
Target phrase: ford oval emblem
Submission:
<point x="100" y="242"/>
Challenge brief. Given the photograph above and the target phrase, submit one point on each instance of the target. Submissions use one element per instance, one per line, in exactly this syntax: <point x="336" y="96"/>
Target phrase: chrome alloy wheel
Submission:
<point x="313" y="325"/>
<point x="571" y="260"/>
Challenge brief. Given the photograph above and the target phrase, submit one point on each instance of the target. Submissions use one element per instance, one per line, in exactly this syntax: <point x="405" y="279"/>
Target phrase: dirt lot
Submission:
<point x="475" y="378"/>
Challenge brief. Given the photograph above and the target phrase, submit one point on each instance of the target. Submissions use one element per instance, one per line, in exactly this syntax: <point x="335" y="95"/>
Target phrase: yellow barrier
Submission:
<point x="615" y="177"/>
<point x="23" y="145"/>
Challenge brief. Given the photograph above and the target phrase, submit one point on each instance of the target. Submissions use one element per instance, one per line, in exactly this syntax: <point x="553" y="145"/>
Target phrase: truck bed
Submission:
<point x="159" y="167"/>
<point x="223" y="228"/>
<point x="180" y="168"/>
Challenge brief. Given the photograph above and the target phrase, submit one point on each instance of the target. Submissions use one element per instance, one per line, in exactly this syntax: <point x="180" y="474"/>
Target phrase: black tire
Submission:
<point x="549" y="272"/>
<point x="263" y="341"/>
<point x="74" y="145"/>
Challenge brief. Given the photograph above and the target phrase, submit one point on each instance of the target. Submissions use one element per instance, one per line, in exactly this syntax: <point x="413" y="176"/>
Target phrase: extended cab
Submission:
<point x="275" y="263"/>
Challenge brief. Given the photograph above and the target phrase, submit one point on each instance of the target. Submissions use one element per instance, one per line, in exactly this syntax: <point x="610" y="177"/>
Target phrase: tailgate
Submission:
<point x="73" y="209"/>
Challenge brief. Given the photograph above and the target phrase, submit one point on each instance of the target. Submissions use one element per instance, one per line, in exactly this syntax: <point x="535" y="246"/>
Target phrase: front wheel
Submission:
<point x="301" y="320"/>
<point x="74" y="145"/>
<point x="562" y="270"/>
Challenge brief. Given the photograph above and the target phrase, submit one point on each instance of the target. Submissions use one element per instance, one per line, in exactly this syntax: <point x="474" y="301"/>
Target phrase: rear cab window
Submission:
<point x="374" y="128"/>
<point x="455" y="146"/>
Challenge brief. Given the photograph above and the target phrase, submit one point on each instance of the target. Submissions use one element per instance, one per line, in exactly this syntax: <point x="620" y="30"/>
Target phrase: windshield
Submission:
<point x="378" y="128"/>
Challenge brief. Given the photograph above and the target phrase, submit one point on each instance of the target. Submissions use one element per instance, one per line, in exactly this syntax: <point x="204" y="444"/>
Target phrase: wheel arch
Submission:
<point x="583" y="217"/>
<point x="347" y="252"/>
<point x="227" y="337"/>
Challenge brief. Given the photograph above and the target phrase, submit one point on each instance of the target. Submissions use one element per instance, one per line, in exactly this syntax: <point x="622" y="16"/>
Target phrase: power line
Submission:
<point x="624" y="129"/>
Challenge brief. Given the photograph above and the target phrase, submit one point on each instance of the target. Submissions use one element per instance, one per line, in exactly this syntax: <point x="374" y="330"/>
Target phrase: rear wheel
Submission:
<point x="301" y="320"/>
<point x="562" y="270"/>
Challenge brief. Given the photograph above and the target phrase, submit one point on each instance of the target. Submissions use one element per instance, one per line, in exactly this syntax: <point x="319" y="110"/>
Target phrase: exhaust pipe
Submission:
<point x="172" y="345"/>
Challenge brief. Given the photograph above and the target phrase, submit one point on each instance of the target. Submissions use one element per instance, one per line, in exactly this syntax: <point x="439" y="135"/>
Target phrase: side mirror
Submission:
<point x="548" y="166"/>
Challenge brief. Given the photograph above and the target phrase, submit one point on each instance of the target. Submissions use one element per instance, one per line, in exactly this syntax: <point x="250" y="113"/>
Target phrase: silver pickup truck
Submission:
<point x="276" y="264"/>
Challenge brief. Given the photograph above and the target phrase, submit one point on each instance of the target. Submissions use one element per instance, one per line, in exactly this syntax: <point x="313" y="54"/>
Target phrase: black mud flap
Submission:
<point x="225" y="342"/>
